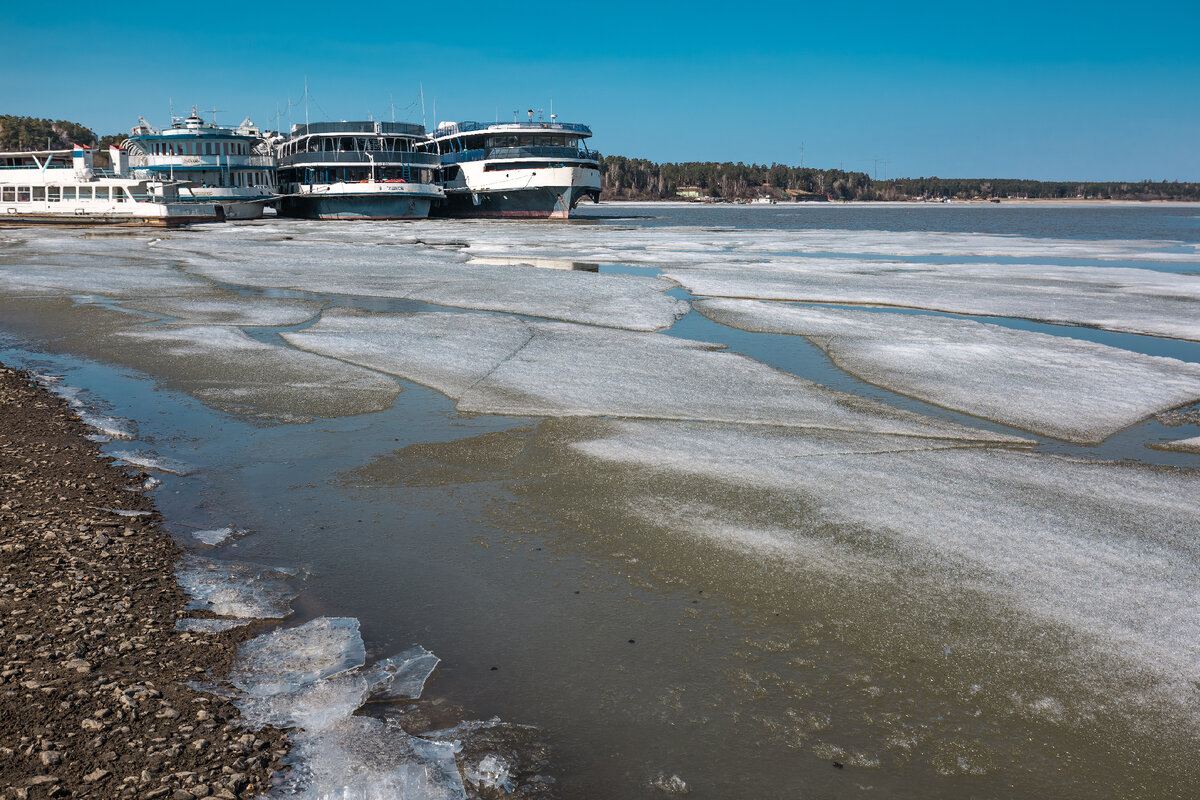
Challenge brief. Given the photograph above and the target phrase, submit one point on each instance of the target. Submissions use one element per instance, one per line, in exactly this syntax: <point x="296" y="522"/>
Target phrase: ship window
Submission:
<point x="52" y="194"/>
<point x="39" y="193"/>
<point x="85" y="193"/>
<point x="101" y="192"/>
<point x="9" y="194"/>
<point x="68" y="194"/>
<point x="22" y="194"/>
<point x="118" y="194"/>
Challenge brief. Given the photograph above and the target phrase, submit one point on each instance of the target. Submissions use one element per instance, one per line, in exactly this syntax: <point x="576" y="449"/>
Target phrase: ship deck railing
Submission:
<point x="533" y="151"/>
<point x="468" y="127"/>
<point x="381" y="158"/>
<point x="385" y="128"/>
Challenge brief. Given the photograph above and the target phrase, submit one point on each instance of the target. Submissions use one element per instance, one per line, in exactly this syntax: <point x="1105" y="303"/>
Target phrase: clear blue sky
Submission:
<point x="1002" y="89"/>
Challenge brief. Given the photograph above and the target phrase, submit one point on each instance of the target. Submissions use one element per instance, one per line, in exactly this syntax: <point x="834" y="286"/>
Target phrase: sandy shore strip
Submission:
<point x="92" y="701"/>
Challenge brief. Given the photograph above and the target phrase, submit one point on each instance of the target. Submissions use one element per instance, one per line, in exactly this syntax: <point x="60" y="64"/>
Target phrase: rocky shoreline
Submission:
<point x="92" y="696"/>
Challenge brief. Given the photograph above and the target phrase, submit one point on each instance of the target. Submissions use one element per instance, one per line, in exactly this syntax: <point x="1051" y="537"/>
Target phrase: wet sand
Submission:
<point x="92" y="701"/>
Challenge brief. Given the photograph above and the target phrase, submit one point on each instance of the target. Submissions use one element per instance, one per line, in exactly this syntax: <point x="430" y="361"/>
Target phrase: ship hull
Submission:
<point x="349" y="206"/>
<point x="542" y="202"/>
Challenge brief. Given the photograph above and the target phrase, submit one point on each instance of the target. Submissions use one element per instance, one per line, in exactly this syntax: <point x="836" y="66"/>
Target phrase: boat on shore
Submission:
<point x="229" y="167"/>
<point x="64" y="187"/>
<point x="514" y="169"/>
<point x="356" y="170"/>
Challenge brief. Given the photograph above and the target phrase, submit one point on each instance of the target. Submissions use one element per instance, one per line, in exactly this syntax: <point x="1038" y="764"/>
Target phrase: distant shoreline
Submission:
<point x="819" y="203"/>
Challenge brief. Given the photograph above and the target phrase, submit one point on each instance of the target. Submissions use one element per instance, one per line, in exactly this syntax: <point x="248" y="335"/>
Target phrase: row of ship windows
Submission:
<point x="198" y="149"/>
<point x="55" y="194"/>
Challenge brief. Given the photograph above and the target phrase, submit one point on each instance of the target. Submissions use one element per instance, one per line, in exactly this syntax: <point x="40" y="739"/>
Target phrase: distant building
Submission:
<point x="812" y="197"/>
<point x="689" y="191"/>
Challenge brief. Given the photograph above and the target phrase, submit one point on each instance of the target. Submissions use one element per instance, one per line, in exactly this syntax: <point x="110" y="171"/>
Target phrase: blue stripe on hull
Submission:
<point x="370" y="206"/>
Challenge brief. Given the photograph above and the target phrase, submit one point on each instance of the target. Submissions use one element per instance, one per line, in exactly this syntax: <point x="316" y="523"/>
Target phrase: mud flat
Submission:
<point x="92" y="670"/>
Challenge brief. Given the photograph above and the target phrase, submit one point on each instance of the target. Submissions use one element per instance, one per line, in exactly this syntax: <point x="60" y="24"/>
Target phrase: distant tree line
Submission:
<point x="640" y="179"/>
<point x="31" y="133"/>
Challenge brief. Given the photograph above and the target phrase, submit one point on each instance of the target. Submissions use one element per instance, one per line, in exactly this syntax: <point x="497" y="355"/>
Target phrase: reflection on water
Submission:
<point x="750" y="610"/>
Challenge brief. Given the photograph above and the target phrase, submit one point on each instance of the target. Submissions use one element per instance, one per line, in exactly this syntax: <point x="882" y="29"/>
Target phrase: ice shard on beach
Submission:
<point x="311" y="678"/>
<point x="234" y="589"/>
<point x="1067" y="388"/>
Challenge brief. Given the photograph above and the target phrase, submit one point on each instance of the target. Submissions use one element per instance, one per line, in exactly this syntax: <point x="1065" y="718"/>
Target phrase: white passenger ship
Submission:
<point x="356" y="170"/>
<point x="63" y="187"/>
<point x="230" y="167"/>
<point x="515" y="169"/>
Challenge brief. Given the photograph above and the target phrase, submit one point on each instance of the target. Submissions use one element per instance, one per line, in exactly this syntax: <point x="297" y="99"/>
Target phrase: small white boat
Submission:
<point x="63" y="187"/>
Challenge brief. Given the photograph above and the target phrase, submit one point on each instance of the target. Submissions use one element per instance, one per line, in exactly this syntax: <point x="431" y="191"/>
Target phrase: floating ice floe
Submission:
<point x="109" y="427"/>
<point x="1180" y="445"/>
<point x="218" y="536"/>
<point x="332" y="263"/>
<point x="311" y="678"/>
<point x="209" y="625"/>
<point x="151" y="461"/>
<point x="96" y="275"/>
<point x="223" y="366"/>
<point x="404" y="674"/>
<point x="1062" y="387"/>
<point x="233" y="589"/>
<point x="690" y="244"/>
<point x="1109" y="552"/>
<point x="502" y="365"/>
<point x="231" y="309"/>
<point x="1118" y="299"/>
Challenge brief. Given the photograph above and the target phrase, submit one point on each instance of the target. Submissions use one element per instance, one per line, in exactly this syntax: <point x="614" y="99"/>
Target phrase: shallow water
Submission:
<point x="740" y="605"/>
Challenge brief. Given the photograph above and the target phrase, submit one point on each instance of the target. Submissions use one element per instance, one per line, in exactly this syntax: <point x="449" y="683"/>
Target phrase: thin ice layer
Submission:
<point x="1117" y="299"/>
<point x="209" y="625"/>
<point x="366" y="265"/>
<point x="404" y="674"/>
<point x="1122" y="568"/>
<point x="691" y="244"/>
<point x="150" y="460"/>
<point x="282" y="659"/>
<point x="232" y="589"/>
<point x="223" y="366"/>
<point x="311" y="678"/>
<point x="231" y="310"/>
<point x="362" y="758"/>
<point x="1067" y="388"/>
<point x="504" y="366"/>
<point x="1181" y="445"/>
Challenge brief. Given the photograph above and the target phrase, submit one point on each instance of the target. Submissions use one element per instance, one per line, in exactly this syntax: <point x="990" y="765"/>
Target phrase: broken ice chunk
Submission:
<point x="233" y="589"/>
<point x="404" y="674"/>
<point x="208" y="625"/>
<point x="283" y="659"/>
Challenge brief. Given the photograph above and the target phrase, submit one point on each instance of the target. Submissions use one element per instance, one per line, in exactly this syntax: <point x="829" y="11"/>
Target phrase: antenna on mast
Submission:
<point x="392" y="102"/>
<point x="306" y="101"/>
<point x="423" y="123"/>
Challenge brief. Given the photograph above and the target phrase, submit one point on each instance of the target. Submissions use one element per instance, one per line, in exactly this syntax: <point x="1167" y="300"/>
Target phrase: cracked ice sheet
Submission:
<point x="1067" y="388"/>
<point x="369" y="266"/>
<point x="225" y="367"/>
<point x="689" y="245"/>
<point x="501" y="365"/>
<point x="1122" y="567"/>
<point x="98" y="277"/>
<point x="1116" y="299"/>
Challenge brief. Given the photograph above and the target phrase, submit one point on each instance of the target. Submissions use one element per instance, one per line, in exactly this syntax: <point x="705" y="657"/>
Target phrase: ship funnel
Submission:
<point x="82" y="158"/>
<point x="120" y="161"/>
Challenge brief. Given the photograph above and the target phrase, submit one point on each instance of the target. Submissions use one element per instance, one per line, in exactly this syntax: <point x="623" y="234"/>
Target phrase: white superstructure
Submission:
<point x="230" y="167"/>
<point x="515" y="169"/>
<point x="64" y="187"/>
